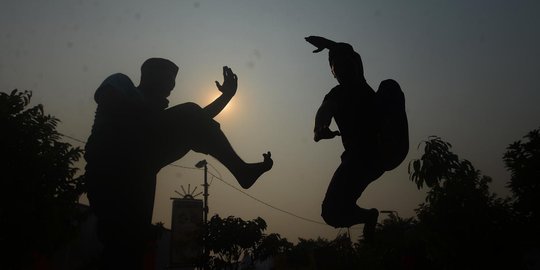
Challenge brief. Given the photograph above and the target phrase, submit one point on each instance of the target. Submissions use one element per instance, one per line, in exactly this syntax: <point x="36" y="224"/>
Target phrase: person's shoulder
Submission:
<point x="336" y="88"/>
<point x="119" y="81"/>
<point x="116" y="85"/>
<point x="390" y="89"/>
<point x="334" y="92"/>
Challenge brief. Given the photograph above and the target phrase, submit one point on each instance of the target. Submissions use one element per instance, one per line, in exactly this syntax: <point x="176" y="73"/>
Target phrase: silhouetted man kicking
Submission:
<point x="373" y="128"/>
<point x="134" y="135"/>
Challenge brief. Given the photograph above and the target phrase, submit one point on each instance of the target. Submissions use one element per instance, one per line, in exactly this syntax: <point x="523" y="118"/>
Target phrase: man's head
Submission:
<point x="158" y="77"/>
<point x="346" y="64"/>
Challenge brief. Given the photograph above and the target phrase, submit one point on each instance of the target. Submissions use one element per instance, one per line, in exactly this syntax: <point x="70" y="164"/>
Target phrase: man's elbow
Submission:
<point x="316" y="137"/>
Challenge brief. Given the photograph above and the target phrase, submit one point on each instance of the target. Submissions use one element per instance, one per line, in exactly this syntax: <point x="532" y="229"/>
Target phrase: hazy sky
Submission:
<point x="469" y="70"/>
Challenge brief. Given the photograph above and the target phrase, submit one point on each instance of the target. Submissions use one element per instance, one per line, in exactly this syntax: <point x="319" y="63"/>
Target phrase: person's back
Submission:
<point x="393" y="126"/>
<point x="120" y="187"/>
<point x="116" y="132"/>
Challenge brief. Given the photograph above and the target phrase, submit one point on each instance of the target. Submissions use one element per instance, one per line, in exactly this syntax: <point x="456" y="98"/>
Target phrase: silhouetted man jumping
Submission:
<point x="134" y="135"/>
<point x="373" y="128"/>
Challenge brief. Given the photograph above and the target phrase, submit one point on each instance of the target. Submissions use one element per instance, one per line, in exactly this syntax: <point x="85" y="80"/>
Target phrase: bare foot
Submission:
<point x="253" y="171"/>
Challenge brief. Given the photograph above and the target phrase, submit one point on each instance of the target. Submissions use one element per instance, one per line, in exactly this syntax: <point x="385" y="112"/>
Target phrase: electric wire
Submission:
<point x="267" y="204"/>
<point x="73" y="138"/>
<point x="212" y="166"/>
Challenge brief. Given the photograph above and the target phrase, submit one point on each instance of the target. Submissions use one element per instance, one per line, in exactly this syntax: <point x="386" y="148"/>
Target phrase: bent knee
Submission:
<point x="192" y="116"/>
<point x="188" y="110"/>
<point x="334" y="220"/>
<point x="336" y="215"/>
<point x="192" y="105"/>
<point x="188" y="107"/>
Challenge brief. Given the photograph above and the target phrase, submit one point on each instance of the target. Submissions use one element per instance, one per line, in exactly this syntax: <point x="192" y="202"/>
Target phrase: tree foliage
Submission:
<point x="232" y="240"/>
<point x="399" y="245"/>
<point x="463" y="223"/>
<point x="522" y="159"/>
<point x="231" y="237"/>
<point x="320" y="253"/>
<point x="271" y="245"/>
<point x="436" y="164"/>
<point x="39" y="185"/>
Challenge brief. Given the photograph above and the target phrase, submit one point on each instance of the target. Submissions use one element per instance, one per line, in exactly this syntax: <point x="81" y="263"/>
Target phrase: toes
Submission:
<point x="268" y="160"/>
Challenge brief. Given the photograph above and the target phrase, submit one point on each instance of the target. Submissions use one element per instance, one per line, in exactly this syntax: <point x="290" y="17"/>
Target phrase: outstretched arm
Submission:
<point x="228" y="90"/>
<point x="320" y="42"/>
<point x="323" y="118"/>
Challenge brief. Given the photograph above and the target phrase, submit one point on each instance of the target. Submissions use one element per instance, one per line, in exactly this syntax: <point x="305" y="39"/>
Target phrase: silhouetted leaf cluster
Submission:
<point x="39" y="186"/>
<point x="461" y="223"/>
<point x="437" y="163"/>
<point x="231" y="237"/>
<point x="523" y="161"/>
<point x="271" y="245"/>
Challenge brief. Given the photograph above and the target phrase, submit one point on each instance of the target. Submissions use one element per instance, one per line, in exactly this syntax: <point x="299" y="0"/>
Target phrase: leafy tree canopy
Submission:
<point x="39" y="186"/>
<point x="231" y="237"/>
<point x="522" y="159"/>
<point x="460" y="216"/>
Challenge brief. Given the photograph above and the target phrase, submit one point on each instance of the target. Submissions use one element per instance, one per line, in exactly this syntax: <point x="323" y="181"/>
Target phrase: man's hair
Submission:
<point x="342" y="49"/>
<point x="153" y="68"/>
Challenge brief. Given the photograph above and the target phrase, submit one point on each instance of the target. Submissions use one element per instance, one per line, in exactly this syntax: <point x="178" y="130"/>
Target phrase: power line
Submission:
<point x="212" y="166"/>
<point x="267" y="204"/>
<point x="75" y="139"/>
<point x="183" y="167"/>
<point x="220" y="178"/>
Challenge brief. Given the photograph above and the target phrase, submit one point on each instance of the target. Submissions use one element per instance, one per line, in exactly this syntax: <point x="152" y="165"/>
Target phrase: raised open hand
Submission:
<point x="320" y="42"/>
<point x="230" y="82"/>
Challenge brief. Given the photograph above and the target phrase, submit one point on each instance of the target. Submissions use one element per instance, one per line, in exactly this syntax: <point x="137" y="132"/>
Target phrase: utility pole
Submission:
<point x="206" y="254"/>
<point x="204" y="164"/>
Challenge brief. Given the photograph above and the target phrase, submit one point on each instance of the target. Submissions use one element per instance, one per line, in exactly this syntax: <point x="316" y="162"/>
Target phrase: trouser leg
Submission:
<point x="339" y="208"/>
<point x="186" y="127"/>
<point x="124" y="213"/>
